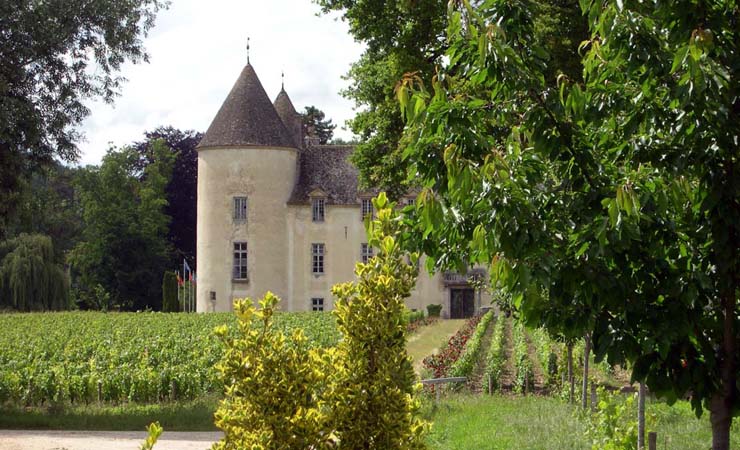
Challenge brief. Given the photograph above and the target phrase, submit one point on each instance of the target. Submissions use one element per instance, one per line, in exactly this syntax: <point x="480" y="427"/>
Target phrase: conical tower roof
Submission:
<point x="284" y="106"/>
<point x="247" y="118"/>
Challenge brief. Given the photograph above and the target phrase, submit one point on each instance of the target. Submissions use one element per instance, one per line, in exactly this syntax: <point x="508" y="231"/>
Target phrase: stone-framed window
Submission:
<point x="318" y="209"/>
<point x="366" y="252"/>
<point x="240" y="209"/>
<point x="317" y="304"/>
<point x="240" y="261"/>
<point x="317" y="258"/>
<point x="366" y="207"/>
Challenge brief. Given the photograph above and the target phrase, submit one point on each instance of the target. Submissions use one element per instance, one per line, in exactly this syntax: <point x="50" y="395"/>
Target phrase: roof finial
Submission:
<point x="247" y="50"/>
<point x="282" y="79"/>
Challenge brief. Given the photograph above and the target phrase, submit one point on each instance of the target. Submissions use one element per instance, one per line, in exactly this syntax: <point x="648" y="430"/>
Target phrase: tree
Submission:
<point x="409" y="37"/>
<point x="400" y="37"/>
<point x="49" y="50"/>
<point x="169" y="292"/>
<point x="314" y="124"/>
<point x="124" y="246"/>
<point x="47" y="205"/>
<point x="603" y="204"/>
<point x="30" y="279"/>
<point x="182" y="190"/>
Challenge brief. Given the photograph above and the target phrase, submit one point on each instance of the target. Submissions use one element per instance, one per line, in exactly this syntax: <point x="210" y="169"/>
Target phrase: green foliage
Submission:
<point x="49" y="50"/>
<point x="614" y="424"/>
<point x="137" y="357"/>
<point x="124" y="245"/>
<point x="414" y="316"/>
<point x="30" y="279"/>
<point x="281" y="394"/>
<point x="154" y="430"/>
<point x="496" y="357"/>
<point x="615" y="198"/>
<point x="169" y="292"/>
<point x="465" y="364"/>
<point x="182" y="188"/>
<point x="373" y="386"/>
<point x="434" y="310"/>
<point x="314" y="123"/>
<point x="274" y="385"/>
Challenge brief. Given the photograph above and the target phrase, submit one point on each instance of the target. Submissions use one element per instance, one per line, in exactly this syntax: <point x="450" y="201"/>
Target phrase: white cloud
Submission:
<point x="197" y="50"/>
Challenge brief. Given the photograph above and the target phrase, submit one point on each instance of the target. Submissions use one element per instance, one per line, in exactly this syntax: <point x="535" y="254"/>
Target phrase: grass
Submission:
<point x="512" y="422"/>
<point x="430" y="338"/>
<point x="504" y="422"/>
<point x="195" y="415"/>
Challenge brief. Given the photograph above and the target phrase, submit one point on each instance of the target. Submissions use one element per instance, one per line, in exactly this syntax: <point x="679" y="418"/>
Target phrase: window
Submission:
<point x="318" y="209"/>
<point x="240" y="209"/>
<point x="317" y="258"/>
<point x="317" y="304"/>
<point x="410" y="201"/>
<point x="366" y="253"/>
<point x="367" y="208"/>
<point x="240" y="261"/>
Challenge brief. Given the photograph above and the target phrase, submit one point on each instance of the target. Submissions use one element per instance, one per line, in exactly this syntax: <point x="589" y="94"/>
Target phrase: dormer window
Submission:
<point x="367" y="208"/>
<point x="318" y="209"/>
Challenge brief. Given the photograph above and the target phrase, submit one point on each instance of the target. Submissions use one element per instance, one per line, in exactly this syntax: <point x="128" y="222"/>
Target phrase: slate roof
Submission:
<point x="284" y="106"/>
<point x="247" y="118"/>
<point x="327" y="167"/>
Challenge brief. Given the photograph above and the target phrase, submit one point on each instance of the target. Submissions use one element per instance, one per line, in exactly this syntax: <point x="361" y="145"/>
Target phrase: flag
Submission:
<point x="179" y="280"/>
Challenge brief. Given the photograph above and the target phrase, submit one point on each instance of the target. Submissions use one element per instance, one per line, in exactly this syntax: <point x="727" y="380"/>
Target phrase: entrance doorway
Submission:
<point x="462" y="303"/>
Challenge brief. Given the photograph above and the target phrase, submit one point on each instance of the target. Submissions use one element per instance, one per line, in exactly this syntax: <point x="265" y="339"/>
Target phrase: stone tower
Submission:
<point x="247" y="164"/>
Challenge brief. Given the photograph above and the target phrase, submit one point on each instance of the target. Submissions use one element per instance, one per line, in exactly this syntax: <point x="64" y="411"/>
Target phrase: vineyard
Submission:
<point x="84" y="357"/>
<point x="500" y="354"/>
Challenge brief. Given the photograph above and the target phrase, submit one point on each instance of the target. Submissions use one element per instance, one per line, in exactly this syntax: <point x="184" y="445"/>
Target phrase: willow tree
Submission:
<point x="30" y="280"/>
<point x="615" y="194"/>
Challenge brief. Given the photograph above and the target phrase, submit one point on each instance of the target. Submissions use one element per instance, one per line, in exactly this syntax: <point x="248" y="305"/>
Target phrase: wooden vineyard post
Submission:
<point x="100" y="391"/>
<point x="652" y="440"/>
<point x="593" y="396"/>
<point x="571" y="378"/>
<point x="586" y="356"/>
<point x="641" y="418"/>
<point x="490" y="384"/>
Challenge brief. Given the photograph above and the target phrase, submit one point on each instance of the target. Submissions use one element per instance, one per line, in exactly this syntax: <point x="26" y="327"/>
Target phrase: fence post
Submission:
<point x="436" y="392"/>
<point x="593" y="396"/>
<point x="653" y="440"/>
<point x="641" y="418"/>
<point x="100" y="391"/>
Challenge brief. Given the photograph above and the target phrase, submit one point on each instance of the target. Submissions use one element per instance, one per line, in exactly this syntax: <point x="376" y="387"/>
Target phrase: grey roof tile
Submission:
<point x="327" y="167"/>
<point x="247" y="118"/>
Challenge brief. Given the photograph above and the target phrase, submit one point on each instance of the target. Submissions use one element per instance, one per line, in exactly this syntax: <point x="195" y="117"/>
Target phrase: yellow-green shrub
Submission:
<point x="360" y="395"/>
<point x="273" y="385"/>
<point x="372" y="396"/>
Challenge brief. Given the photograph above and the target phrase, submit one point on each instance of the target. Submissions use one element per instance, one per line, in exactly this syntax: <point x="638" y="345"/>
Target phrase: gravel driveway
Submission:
<point x="103" y="440"/>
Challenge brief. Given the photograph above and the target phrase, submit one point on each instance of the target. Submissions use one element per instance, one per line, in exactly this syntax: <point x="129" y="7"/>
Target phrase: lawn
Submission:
<point x="430" y="338"/>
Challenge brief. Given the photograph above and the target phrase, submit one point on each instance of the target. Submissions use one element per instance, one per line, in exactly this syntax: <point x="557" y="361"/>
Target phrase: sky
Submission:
<point x="197" y="50"/>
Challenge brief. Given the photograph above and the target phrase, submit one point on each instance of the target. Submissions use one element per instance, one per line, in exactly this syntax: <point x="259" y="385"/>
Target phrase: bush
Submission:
<point x="280" y="394"/>
<point x="434" y="310"/>
<point x="273" y="385"/>
<point x="169" y="292"/>
<point x="373" y="388"/>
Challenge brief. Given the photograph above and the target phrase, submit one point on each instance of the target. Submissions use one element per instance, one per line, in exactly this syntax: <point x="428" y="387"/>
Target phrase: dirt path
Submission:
<point x="103" y="440"/>
<point x="429" y="338"/>
<point x="539" y="377"/>
<point x="509" y="371"/>
<point x="476" y="383"/>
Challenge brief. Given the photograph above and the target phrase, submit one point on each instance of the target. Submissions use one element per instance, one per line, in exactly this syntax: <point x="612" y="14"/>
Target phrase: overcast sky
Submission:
<point x="197" y="50"/>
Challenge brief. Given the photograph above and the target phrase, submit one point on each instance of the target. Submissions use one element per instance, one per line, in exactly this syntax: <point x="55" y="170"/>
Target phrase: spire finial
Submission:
<point x="247" y="50"/>
<point x="282" y="79"/>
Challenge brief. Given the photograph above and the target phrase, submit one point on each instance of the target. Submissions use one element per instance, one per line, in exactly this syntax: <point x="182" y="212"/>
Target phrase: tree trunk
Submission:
<point x="641" y="418"/>
<point x="571" y="378"/>
<point x="586" y="355"/>
<point x="721" y="402"/>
